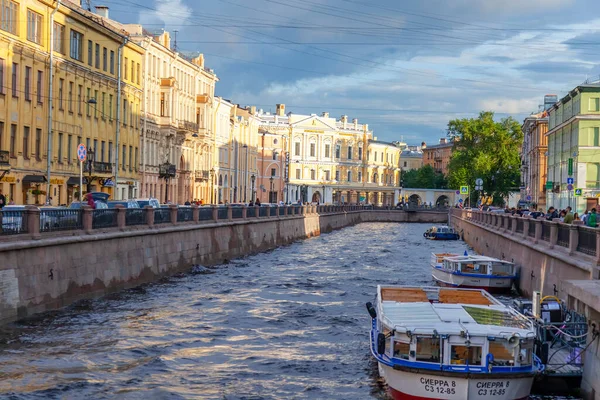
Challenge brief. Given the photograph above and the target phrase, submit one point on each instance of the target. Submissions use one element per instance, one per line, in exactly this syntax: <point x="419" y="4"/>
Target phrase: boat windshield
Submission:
<point x="428" y="349"/>
<point x="503" y="269"/>
<point x="474" y="268"/>
<point x="502" y="353"/>
<point x="463" y="355"/>
<point x="401" y="350"/>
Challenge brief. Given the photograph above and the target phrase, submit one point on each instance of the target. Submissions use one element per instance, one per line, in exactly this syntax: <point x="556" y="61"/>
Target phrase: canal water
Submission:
<point x="287" y="324"/>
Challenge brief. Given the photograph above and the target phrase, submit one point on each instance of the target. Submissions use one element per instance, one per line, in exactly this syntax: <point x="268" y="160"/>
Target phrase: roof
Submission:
<point x="476" y="258"/>
<point x="413" y="309"/>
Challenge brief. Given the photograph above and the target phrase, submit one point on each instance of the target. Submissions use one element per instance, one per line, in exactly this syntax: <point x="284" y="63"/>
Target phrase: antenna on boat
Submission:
<point x="466" y="254"/>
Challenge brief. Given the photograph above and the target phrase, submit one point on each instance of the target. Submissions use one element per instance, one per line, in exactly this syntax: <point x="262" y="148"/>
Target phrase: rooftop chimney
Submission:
<point x="423" y="145"/>
<point x="280" y="109"/>
<point x="355" y="122"/>
<point x="253" y="110"/>
<point x="102" y="11"/>
<point x="344" y="120"/>
<point x="325" y="115"/>
<point x="443" y="140"/>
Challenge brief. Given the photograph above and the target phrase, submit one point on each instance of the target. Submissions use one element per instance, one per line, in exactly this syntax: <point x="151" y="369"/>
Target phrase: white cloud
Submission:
<point x="172" y="13"/>
<point x="512" y="6"/>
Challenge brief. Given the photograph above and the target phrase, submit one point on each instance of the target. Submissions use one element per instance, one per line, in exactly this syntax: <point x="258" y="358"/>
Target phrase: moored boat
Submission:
<point x="451" y="344"/>
<point x="441" y="233"/>
<point x="473" y="271"/>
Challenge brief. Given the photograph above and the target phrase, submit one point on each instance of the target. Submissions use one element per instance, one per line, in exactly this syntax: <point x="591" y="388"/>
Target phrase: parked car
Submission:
<point x="131" y="217"/>
<point x="148" y="202"/>
<point x="12" y="219"/>
<point x="124" y="203"/>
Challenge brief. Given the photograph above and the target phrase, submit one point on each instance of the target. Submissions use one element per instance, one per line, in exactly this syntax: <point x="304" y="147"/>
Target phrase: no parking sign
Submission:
<point x="81" y="152"/>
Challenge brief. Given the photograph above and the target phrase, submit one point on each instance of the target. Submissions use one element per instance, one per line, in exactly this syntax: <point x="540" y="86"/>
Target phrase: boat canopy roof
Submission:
<point x="449" y="311"/>
<point x="472" y="258"/>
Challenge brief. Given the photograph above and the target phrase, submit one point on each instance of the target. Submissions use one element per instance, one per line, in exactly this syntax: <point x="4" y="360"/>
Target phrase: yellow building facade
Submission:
<point x="88" y="58"/>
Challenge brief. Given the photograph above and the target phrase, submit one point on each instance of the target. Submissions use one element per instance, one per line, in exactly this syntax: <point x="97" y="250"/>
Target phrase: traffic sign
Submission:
<point x="478" y="187"/>
<point x="464" y="190"/>
<point x="479" y="181"/>
<point x="578" y="192"/>
<point x="81" y="152"/>
<point x="528" y="198"/>
<point x="570" y="181"/>
<point x="569" y="187"/>
<point x="458" y="192"/>
<point x="460" y="200"/>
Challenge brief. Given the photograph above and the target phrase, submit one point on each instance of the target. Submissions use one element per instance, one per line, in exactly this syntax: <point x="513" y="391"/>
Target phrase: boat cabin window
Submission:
<point x="525" y="355"/>
<point x="472" y="268"/>
<point x="401" y="350"/>
<point x="428" y="349"/>
<point x="463" y="355"/>
<point x="503" y="269"/>
<point x="502" y="354"/>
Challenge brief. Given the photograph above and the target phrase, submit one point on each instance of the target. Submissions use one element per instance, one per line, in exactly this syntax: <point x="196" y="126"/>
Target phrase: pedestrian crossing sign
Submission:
<point x="578" y="192"/>
<point x="464" y="190"/>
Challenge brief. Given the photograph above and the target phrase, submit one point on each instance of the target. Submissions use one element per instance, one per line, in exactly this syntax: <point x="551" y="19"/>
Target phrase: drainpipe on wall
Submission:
<point x="50" y="95"/>
<point x="119" y="67"/>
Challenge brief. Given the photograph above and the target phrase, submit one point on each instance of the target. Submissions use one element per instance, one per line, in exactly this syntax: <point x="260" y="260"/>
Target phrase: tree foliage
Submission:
<point x="486" y="149"/>
<point x="424" y="178"/>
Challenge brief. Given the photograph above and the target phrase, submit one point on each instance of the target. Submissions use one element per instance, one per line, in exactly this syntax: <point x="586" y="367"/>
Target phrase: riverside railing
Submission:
<point x="31" y="221"/>
<point x="574" y="238"/>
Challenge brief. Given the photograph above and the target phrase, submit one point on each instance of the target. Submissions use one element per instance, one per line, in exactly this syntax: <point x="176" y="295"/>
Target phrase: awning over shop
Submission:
<point x="73" y="181"/>
<point x="33" y="179"/>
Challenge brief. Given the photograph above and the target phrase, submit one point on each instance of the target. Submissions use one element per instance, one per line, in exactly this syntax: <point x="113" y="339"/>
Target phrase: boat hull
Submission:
<point x="443" y="236"/>
<point x="490" y="284"/>
<point x="413" y="385"/>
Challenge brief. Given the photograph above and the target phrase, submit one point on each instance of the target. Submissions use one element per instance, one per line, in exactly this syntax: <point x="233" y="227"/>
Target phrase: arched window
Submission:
<point x="221" y="180"/>
<point x="375" y="177"/>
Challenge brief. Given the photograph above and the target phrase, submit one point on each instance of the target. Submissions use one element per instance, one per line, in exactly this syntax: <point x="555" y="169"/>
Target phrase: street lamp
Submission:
<point x="166" y="171"/>
<point x="271" y="192"/>
<point x="252" y="179"/>
<point x="90" y="161"/>
<point x="212" y="184"/>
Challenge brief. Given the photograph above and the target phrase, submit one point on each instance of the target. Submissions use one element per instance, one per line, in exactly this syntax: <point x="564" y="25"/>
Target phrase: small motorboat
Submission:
<point x="441" y="233"/>
<point x="473" y="272"/>
<point x="451" y="344"/>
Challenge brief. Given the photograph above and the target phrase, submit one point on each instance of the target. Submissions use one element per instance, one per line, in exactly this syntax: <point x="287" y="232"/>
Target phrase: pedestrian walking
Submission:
<point x="592" y="219"/>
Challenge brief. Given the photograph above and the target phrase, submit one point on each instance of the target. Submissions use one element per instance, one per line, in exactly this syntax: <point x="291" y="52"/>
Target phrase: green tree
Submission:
<point x="486" y="149"/>
<point x="425" y="178"/>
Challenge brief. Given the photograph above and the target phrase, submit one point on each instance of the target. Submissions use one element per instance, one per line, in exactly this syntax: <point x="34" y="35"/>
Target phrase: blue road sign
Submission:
<point x="81" y="152"/>
<point x="570" y="181"/>
<point x="569" y="187"/>
<point x="528" y="198"/>
<point x="460" y="200"/>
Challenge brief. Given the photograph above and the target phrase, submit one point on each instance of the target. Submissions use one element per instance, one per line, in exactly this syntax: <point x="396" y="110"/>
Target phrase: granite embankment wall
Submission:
<point x="52" y="270"/>
<point x="548" y="253"/>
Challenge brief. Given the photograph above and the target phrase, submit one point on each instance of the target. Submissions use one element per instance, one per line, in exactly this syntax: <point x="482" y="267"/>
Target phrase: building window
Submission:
<point x="103" y="109"/>
<point x="58" y="38"/>
<point x="337" y="176"/>
<point x="327" y="175"/>
<point x="60" y="147"/>
<point x="97" y="63"/>
<point x="112" y="62"/>
<point x="34" y="27"/>
<point x="124" y="112"/>
<point x="274" y="155"/>
<point x="360" y="177"/>
<point x="349" y="152"/>
<point x="360" y="153"/>
<point x="76" y="51"/>
<point x="133" y="72"/>
<point x="1" y="75"/>
<point x="405" y="164"/>
<point x="13" y="140"/>
<point x="595" y="104"/>
<point x="102" y="150"/>
<point x="312" y="149"/>
<point x="375" y="156"/>
<point x="69" y="148"/>
<point x="130" y="158"/>
<point x="90" y="59"/>
<point x="298" y="173"/>
<point x="297" y="148"/>
<point x="96" y="106"/>
<point x="123" y="156"/>
<point x="110" y="153"/>
<point x="110" y="106"/>
<point x="38" y="143"/>
<point x="87" y="102"/>
<point x="138" y="73"/>
<point x="327" y="150"/>
<point x="40" y="83"/>
<point x="313" y="174"/>
<point x="104" y="59"/>
<point x="349" y="176"/>
<point x="61" y="83"/>
<point x="70" y="97"/>
<point x="79" y="99"/>
<point x="15" y="79"/>
<point x="125" y="67"/>
<point x="28" y="83"/>
<point x="273" y="171"/>
<point x="135" y="160"/>
<point x="338" y="151"/>
<point x="8" y="16"/>
<point x="26" y="130"/>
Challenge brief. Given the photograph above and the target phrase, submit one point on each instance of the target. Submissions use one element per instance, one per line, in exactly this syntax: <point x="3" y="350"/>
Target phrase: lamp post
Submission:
<point x="252" y="179"/>
<point x="323" y="198"/>
<point x="271" y="192"/>
<point x="166" y="172"/>
<point x="246" y="174"/>
<point x="90" y="161"/>
<point x="212" y="184"/>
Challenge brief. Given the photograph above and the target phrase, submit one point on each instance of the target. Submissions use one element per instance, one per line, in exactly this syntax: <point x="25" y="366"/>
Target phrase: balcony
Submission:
<point x="4" y="157"/>
<point x="167" y="82"/>
<point x="99" y="167"/>
<point x="202" y="99"/>
<point x="201" y="176"/>
<point x="187" y="126"/>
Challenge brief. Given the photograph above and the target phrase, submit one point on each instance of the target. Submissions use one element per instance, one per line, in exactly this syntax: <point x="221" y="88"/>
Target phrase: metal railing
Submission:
<point x="262" y="211"/>
<point x="162" y="215"/>
<point x="236" y="212"/>
<point x="13" y="222"/>
<point x="563" y="235"/>
<point x="509" y="223"/>
<point x="135" y="216"/>
<point x="546" y="231"/>
<point x="185" y="214"/>
<point x="222" y="213"/>
<point x="587" y="241"/>
<point x="4" y="157"/>
<point x="60" y="220"/>
<point x="281" y="211"/>
<point x="105" y="218"/>
<point x="519" y="225"/>
<point x="531" y="229"/>
<point x="251" y="212"/>
<point x="272" y="211"/>
<point x="206" y="214"/>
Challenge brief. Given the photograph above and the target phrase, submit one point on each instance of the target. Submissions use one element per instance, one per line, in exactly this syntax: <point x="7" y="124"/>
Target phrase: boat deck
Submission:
<point x="444" y="296"/>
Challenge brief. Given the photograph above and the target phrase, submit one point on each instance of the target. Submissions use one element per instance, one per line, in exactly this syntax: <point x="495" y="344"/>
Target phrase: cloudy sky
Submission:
<point x="406" y="68"/>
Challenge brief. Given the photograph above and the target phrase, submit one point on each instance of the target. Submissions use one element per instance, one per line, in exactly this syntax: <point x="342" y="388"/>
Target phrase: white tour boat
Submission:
<point x="473" y="272"/>
<point x="451" y="344"/>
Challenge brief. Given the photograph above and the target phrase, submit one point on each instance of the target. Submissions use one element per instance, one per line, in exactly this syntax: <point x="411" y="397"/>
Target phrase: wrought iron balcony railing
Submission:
<point x="4" y="157"/>
<point x="202" y="176"/>
<point x="99" y="167"/>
